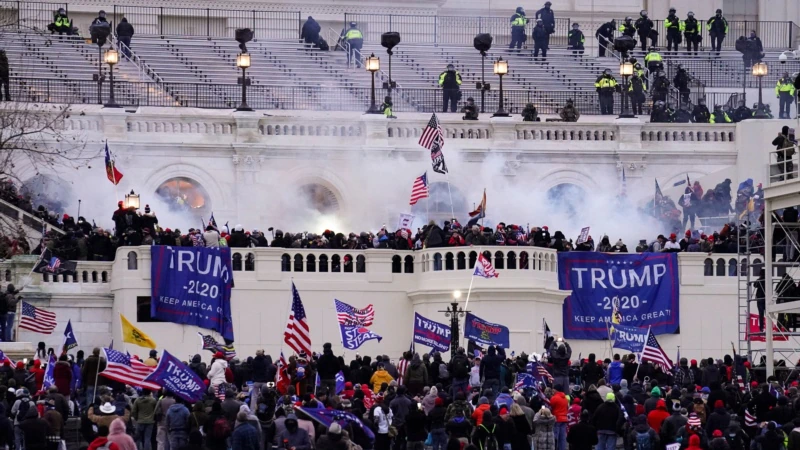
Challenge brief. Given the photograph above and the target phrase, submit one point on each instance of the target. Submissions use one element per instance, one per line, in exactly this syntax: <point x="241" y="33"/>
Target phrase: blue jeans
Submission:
<point x="8" y="326"/>
<point x="459" y="385"/>
<point x="560" y="435"/>
<point x="19" y="438"/>
<point x="606" y="441"/>
<point x="494" y="385"/>
<point x="144" y="436"/>
<point x="439" y="437"/>
<point x="89" y="395"/>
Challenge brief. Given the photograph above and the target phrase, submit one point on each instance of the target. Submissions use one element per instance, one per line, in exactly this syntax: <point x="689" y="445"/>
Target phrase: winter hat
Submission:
<point x="694" y="421"/>
<point x="684" y="412"/>
<point x="219" y="355"/>
<point x="610" y="397"/>
<point x="705" y="390"/>
<point x="656" y="392"/>
<point x="717" y="433"/>
<point x="688" y="233"/>
<point x="146" y="208"/>
<point x="673" y="236"/>
<point x="693" y="362"/>
<point x="483" y="401"/>
<point x="694" y="440"/>
<point x="335" y="428"/>
<point x="719" y="404"/>
<point x="438" y="401"/>
<point x="576" y="401"/>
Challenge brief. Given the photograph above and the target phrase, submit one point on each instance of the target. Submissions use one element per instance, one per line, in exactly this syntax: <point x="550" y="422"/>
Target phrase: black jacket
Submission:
<point x="490" y="365"/>
<point x="548" y="18"/>
<point x="328" y="365"/>
<point x="701" y="114"/>
<point x="582" y="436"/>
<point x="717" y="420"/>
<point x="644" y="26"/>
<point x="607" y="417"/>
<point x="124" y="29"/>
<point x="605" y="31"/>
<point x="540" y="35"/>
<point x="591" y="373"/>
<point x="3" y="65"/>
<point x="560" y="360"/>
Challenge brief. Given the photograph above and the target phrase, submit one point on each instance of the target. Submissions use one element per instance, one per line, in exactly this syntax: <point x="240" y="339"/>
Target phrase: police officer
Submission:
<point x="605" y="35"/>
<point x="386" y="108"/>
<point x="61" y="23"/>
<point x="575" y="39"/>
<point x="569" y="113"/>
<point x="637" y="91"/>
<point x="450" y="81"/>
<point x="518" y="23"/>
<point x="628" y="28"/>
<point x="717" y="29"/>
<point x="700" y="114"/>
<point x="785" y="92"/>
<point x="660" y="86"/>
<point x="682" y="115"/>
<point x="355" y="38"/>
<point x="674" y="27"/>
<point x="660" y="113"/>
<point x="653" y="61"/>
<point x="529" y="113"/>
<point x="540" y="40"/>
<point x="548" y="18"/>
<point x="470" y="110"/>
<point x="691" y="32"/>
<point x="637" y="68"/>
<point x="681" y="82"/>
<point x="742" y="112"/>
<point x="719" y="116"/>
<point x="644" y="28"/>
<point x="605" y="86"/>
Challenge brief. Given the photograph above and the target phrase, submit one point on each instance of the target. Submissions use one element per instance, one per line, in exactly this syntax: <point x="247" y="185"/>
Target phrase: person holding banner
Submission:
<point x="560" y="354"/>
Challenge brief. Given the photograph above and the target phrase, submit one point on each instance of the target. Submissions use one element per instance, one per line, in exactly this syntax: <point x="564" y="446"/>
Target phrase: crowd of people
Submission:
<point x="473" y="401"/>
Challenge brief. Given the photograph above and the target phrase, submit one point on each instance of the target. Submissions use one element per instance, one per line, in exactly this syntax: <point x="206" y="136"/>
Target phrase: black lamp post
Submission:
<point x="454" y="312"/>
<point x="500" y="69"/>
<point x="760" y="70"/>
<point x="243" y="62"/>
<point x="111" y="58"/>
<point x="373" y="64"/>
<point x="626" y="70"/>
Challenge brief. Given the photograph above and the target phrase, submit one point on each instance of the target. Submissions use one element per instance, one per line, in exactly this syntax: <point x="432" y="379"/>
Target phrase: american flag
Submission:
<point x="54" y="264"/>
<point x="420" y="189"/>
<point x="36" y="319"/>
<point x="484" y="268"/>
<point x="538" y="371"/>
<point x="125" y="369"/>
<point x="749" y="419"/>
<point x="654" y="353"/>
<point x="401" y="370"/>
<point x="347" y="315"/>
<point x="211" y="344"/>
<point x="4" y="358"/>
<point x="432" y="134"/>
<point x="297" y="334"/>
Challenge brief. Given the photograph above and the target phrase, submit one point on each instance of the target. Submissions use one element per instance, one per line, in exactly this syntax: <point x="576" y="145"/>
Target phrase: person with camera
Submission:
<point x="450" y="82"/>
<point x="8" y="311"/>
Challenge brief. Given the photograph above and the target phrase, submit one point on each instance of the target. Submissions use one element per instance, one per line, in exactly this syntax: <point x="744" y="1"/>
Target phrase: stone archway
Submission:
<point x="183" y="194"/>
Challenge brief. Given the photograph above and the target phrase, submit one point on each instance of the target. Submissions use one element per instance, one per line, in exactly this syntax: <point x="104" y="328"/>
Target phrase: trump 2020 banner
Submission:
<point x="629" y="338"/>
<point x="176" y="377"/>
<point x="192" y="286"/>
<point x="643" y="288"/>
<point x="430" y="333"/>
<point x="486" y="333"/>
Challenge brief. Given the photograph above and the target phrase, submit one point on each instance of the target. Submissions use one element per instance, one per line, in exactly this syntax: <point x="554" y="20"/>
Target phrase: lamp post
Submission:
<point x="373" y="64"/>
<point x="111" y="58"/>
<point x="243" y="62"/>
<point x="454" y="312"/>
<point x="626" y="70"/>
<point x="760" y="70"/>
<point x="500" y="69"/>
<point x="132" y="200"/>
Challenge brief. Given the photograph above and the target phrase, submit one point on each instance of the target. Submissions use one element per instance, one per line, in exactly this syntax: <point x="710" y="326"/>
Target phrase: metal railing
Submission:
<point x="774" y="34"/>
<point x="459" y="30"/>
<point x="732" y="72"/>
<point x="146" y="73"/>
<point x="783" y="165"/>
<point x="209" y="23"/>
<point x="228" y="96"/>
<point x="31" y="15"/>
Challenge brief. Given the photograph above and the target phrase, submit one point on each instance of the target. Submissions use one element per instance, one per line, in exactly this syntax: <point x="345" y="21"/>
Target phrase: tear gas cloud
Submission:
<point x="382" y="191"/>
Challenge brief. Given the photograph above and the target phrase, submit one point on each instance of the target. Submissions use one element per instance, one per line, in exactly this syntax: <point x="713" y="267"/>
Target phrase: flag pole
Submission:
<point x="471" y="280"/>
<point x="640" y="355"/>
<point x="450" y="193"/>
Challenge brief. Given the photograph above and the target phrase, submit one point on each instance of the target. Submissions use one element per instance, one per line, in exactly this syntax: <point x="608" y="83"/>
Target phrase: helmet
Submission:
<point x="672" y="10"/>
<point x="547" y="4"/>
<point x="628" y="18"/>
<point x="353" y="24"/>
<point x="719" y="11"/>
<point x="451" y="67"/>
<point x="569" y="100"/>
<point x="520" y="10"/>
<point x="606" y="71"/>
<point x="660" y="103"/>
<point x="637" y="66"/>
<point x="470" y="99"/>
<point x="680" y="66"/>
<point x="690" y="14"/>
<point x="534" y="357"/>
<point x="576" y="25"/>
<point x="62" y="11"/>
<point x="717" y="106"/>
<point x="643" y="13"/>
<point x="102" y="13"/>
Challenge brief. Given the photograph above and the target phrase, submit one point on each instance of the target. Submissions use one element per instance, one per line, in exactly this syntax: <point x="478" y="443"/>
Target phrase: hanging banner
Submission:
<point x="754" y="333"/>
<point x="433" y="334"/>
<point x="483" y="332"/>
<point x="643" y="288"/>
<point x="192" y="286"/>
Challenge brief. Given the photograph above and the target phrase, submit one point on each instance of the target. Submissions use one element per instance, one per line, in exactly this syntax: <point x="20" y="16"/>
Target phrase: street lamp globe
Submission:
<point x="456" y="294"/>
<point x="243" y="60"/>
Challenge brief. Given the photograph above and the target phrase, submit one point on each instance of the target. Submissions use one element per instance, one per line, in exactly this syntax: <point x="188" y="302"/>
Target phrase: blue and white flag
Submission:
<point x="49" y="378"/>
<point x="339" y="382"/>
<point x="629" y="338"/>
<point x="69" y="338"/>
<point x="326" y="417"/>
<point x="353" y="336"/>
<point x="484" y="268"/>
<point x="486" y="333"/>
<point x="431" y="333"/>
<point x="175" y="376"/>
<point x="525" y="380"/>
<point x="192" y="286"/>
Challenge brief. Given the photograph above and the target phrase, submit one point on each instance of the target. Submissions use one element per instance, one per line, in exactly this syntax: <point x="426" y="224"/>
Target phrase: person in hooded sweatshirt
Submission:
<point x="583" y="435"/>
<point x="216" y="374"/>
<point x="293" y="437"/>
<point x="694" y="427"/>
<point x="198" y="366"/>
<point x="591" y="372"/>
<point x="694" y="442"/>
<point x="615" y="370"/>
<point x="328" y="367"/>
<point x="560" y="354"/>
<point x="592" y="400"/>
<point x="656" y="417"/>
<point x="117" y="435"/>
<point x="772" y="439"/>
<point x="719" y="419"/>
<point x="783" y="413"/>
<point x="490" y="372"/>
<point x="710" y="373"/>
<point x="177" y="422"/>
<point x="607" y="419"/>
<point x="671" y="425"/>
<point x="652" y="402"/>
<point x="642" y="436"/>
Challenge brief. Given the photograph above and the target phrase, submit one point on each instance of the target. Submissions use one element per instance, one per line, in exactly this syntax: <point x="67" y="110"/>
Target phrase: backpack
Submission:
<point x="443" y="373"/>
<point x="460" y="369"/>
<point x="491" y="440"/>
<point x="643" y="441"/>
<point x="322" y="44"/>
<point x="221" y="429"/>
<point x="24" y="406"/>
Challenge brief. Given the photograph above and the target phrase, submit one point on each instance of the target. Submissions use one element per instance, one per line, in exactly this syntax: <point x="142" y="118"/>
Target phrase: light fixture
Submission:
<point x="626" y="70"/>
<point x="456" y="294"/>
<point x="373" y="64"/>
<point x="760" y="70"/>
<point x="132" y="200"/>
<point x="243" y="62"/>
<point x="111" y="58"/>
<point x="500" y="69"/>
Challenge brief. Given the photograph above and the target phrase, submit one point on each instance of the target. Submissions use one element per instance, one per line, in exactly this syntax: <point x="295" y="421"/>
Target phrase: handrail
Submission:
<point x="29" y="219"/>
<point x="145" y="71"/>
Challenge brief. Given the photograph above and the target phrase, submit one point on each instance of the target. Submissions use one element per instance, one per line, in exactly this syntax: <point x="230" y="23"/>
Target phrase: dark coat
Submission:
<point x="124" y="29"/>
<point x="582" y="436"/>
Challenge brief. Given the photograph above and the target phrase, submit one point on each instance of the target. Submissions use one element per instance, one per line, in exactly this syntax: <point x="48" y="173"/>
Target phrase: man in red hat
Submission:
<point x="672" y="244"/>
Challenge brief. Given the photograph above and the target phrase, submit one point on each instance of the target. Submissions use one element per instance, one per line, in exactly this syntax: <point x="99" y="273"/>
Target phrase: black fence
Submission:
<point x="29" y="15"/>
<point x="228" y="96"/>
<point x="209" y="23"/>
<point x="774" y="35"/>
<point x="459" y="30"/>
<point x="732" y="72"/>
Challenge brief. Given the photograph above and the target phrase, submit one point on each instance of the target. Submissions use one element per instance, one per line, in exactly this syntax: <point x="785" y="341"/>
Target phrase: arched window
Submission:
<point x="250" y="262"/>
<point x="319" y="198"/>
<point x="348" y="263"/>
<point x="133" y="261"/>
<point x="732" y="268"/>
<point x="286" y="263"/>
<point x="499" y="260"/>
<point x="523" y="260"/>
<point x="183" y="195"/>
<point x="743" y="267"/>
<point x="567" y="198"/>
<point x="757" y="267"/>
<point x="473" y="256"/>
<point x="298" y="263"/>
<point x="336" y="263"/>
<point x="720" y="267"/>
<point x="437" y="262"/>
<point x="8" y="275"/>
<point x="311" y="263"/>
<point x="449" y="262"/>
<point x="323" y="263"/>
<point x="94" y="277"/>
<point x="461" y="261"/>
<point x="236" y="261"/>
<point x="361" y="264"/>
<point x="103" y="277"/>
<point x="397" y="264"/>
<point x="708" y="267"/>
<point x="84" y="277"/>
<point x="512" y="260"/>
<point x="409" y="264"/>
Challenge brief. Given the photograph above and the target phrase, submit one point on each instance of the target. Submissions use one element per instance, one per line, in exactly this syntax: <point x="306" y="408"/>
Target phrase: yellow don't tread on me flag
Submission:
<point x="133" y="335"/>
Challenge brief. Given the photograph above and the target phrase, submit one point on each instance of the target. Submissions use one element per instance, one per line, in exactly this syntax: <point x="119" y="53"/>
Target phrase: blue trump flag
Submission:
<point x="629" y="338"/>
<point x="643" y="288"/>
<point x="525" y="380"/>
<point x="175" y="376"/>
<point x="483" y="332"/>
<point x="192" y="286"/>
<point x="326" y="417"/>
<point x="353" y="336"/>
<point x="49" y="378"/>
<point x="339" y="382"/>
<point x="69" y="338"/>
<point x="433" y="334"/>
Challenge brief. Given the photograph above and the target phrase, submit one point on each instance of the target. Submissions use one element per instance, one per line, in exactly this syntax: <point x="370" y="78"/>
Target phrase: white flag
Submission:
<point x="405" y="221"/>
